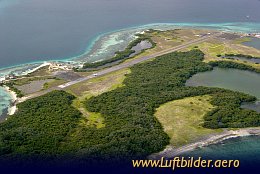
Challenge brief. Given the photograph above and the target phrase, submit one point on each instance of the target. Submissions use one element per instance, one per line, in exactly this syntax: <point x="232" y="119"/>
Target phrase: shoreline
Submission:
<point x="171" y="151"/>
<point x="90" y="49"/>
<point x="4" y="115"/>
<point x="221" y="27"/>
<point x="224" y="27"/>
<point x="12" y="108"/>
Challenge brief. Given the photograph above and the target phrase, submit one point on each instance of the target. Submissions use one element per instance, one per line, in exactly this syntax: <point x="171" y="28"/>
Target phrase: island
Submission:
<point x="135" y="105"/>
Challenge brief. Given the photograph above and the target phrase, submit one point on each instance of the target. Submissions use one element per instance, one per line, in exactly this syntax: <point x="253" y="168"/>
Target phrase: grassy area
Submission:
<point x="53" y="83"/>
<point x="96" y="119"/>
<point x="241" y="40"/>
<point x="90" y="119"/>
<point x="172" y="38"/>
<point x="95" y="87"/>
<point x="182" y="119"/>
<point x="214" y="47"/>
<point x="27" y="80"/>
<point x="131" y="130"/>
<point x="99" y="85"/>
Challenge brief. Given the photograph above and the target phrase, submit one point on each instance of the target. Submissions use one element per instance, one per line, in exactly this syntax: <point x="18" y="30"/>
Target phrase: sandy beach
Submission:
<point x="171" y="151"/>
<point x="12" y="109"/>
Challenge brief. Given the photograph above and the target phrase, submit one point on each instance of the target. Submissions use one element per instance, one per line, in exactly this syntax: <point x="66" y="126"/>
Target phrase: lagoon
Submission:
<point x="246" y="149"/>
<point x="233" y="79"/>
<point x="254" y="42"/>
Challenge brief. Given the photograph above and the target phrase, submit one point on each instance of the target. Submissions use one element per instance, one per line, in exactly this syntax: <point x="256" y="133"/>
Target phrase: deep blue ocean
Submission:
<point x="37" y="30"/>
<point x="33" y="31"/>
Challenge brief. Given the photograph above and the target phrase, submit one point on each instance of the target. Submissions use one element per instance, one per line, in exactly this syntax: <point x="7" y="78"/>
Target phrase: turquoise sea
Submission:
<point x="34" y="31"/>
<point x="5" y="101"/>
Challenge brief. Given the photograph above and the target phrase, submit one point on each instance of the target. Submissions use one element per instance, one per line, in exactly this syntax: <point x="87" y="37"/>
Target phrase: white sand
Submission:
<point x="13" y="108"/>
<point x="38" y="67"/>
<point x="20" y="100"/>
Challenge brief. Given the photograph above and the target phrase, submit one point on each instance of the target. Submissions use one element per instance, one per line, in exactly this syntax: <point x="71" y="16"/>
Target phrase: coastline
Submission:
<point x="12" y="108"/>
<point x="171" y="151"/>
<point x="4" y="115"/>
<point x="98" y="42"/>
<point x="92" y="47"/>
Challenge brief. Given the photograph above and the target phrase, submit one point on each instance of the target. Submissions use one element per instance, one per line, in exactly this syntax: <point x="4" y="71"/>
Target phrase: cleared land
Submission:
<point x="182" y="119"/>
<point x="54" y="83"/>
<point x="219" y="46"/>
<point x="95" y="87"/>
<point x="99" y="85"/>
<point x="33" y="86"/>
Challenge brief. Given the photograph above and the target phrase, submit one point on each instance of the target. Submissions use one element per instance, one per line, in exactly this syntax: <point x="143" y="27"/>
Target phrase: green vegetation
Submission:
<point x="27" y="80"/>
<point x="55" y="82"/>
<point x="40" y="126"/>
<point x="121" y="55"/>
<point x="96" y="120"/>
<point x="228" y="112"/>
<point x="13" y="88"/>
<point x="182" y="119"/>
<point x="241" y="55"/>
<point x="99" y="85"/>
<point x="154" y="83"/>
<point x="215" y="48"/>
<point x="242" y="40"/>
<point x="230" y="64"/>
<point x="95" y="87"/>
<point x="212" y="48"/>
<point x="50" y="126"/>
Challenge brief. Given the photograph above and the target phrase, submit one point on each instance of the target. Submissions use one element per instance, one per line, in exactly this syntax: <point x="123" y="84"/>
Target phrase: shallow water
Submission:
<point x="253" y="106"/>
<point x="143" y="45"/>
<point x="5" y="101"/>
<point x="253" y="60"/>
<point x="255" y="42"/>
<point x="233" y="79"/>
